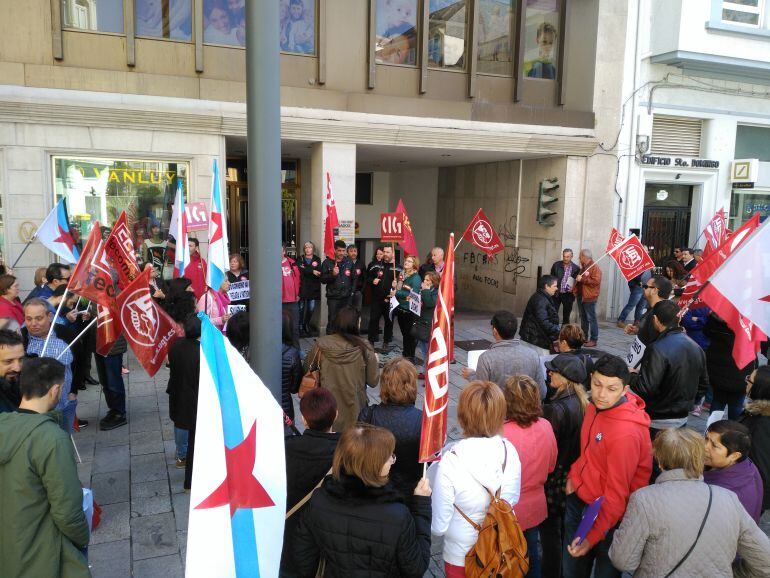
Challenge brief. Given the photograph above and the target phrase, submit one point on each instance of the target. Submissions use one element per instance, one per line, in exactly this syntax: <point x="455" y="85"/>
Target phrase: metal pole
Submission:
<point x="263" y="107"/>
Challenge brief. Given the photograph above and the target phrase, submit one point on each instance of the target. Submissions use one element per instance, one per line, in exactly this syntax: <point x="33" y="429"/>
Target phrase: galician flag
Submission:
<point x="179" y="230"/>
<point x="54" y="232"/>
<point x="238" y="499"/>
<point x="218" y="257"/>
<point x="332" y="222"/>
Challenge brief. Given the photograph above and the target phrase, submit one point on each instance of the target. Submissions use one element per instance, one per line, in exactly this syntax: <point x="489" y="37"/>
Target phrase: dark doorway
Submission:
<point x="666" y="219"/>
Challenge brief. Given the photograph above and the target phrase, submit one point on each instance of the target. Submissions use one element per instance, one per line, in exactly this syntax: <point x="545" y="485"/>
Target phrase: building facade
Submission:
<point x="450" y="105"/>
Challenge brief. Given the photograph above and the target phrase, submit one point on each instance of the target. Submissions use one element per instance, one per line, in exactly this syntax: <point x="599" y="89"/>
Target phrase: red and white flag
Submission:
<point x="706" y="268"/>
<point x="149" y="330"/>
<point x="632" y="258"/>
<point x="481" y="233"/>
<point x="434" y="414"/>
<point x="88" y="278"/>
<point x="119" y="252"/>
<point x="615" y="239"/>
<point x="332" y="222"/>
<point x="739" y="292"/>
<point x="716" y="230"/>
<point x="409" y="243"/>
<point x="107" y="330"/>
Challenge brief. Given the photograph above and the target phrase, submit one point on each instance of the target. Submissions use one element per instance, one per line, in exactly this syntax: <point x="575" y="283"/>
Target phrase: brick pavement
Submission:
<point x="131" y="469"/>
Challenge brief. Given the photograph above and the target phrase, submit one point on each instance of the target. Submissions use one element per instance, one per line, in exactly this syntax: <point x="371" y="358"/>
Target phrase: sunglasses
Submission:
<point x="648" y="286"/>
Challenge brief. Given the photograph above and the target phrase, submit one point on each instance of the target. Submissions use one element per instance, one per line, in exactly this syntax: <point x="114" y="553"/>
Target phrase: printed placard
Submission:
<point x="239" y="291"/>
<point x="635" y="353"/>
<point x="233" y="309"/>
<point x="415" y="302"/>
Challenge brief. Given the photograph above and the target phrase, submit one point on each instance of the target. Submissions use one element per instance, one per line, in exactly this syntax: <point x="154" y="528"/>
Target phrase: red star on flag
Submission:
<point x="65" y="237"/>
<point x="767" y="299"/>
<point x="216" y="218"/>
<point x="240" y="488"/>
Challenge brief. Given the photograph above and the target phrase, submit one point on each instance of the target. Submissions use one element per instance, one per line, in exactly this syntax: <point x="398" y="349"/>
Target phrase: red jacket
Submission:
<point x="615" y="460"/>
<point x="196" y="272"/>
<point x="588" y="287"/>
<point x="289" y="281"/>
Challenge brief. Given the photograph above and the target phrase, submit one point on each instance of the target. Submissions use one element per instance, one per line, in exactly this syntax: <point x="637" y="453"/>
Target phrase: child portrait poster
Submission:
<point x="541" y="37"/>
<point x="396" y="27"/>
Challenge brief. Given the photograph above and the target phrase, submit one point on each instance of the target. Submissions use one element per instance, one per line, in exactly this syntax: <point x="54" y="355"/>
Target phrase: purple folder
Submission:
<point x="589" y="517"/>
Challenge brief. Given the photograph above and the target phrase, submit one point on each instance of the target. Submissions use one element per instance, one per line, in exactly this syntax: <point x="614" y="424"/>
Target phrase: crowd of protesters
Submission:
<point x="548" y="423"/>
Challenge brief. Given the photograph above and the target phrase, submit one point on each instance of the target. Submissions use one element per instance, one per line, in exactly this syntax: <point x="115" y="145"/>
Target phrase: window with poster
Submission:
<point x="495" y="27"/>
<point x="99" y="189"/>
<point x="745" y="203"/>
<point x="541" y="31"/>
<point x="396" y="39"/>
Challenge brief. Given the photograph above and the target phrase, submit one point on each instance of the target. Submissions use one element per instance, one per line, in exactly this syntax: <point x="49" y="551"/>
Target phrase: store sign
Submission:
<point x="131" y="176"/>
<point x="744" y="173"/>
<point x="197" y="216"/>
<point x="391" y="227"/>
<point x="679" y="162"/>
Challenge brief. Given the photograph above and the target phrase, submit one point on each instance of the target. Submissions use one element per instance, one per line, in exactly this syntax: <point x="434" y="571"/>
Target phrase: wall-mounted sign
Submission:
<point x="197" y="216"/>
<point x="27" y="231"/>
<point x="744" y="173"/>
<point x="679" y="162"/>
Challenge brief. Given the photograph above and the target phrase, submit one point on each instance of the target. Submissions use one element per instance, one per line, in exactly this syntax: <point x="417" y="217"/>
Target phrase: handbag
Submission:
<point x="700" y="531"/>
<point x="312" y="378"/>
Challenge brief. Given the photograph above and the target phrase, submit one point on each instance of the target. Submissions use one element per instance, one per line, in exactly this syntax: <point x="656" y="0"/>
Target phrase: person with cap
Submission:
<point x="565" y="412"/>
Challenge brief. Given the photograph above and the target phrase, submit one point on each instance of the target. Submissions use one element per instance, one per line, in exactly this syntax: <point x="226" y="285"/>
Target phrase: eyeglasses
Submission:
<point x="748" y="380"/>
<point x="648" y="286"/>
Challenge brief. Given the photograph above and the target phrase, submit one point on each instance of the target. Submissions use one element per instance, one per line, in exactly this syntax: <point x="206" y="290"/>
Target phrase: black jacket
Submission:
<point x="540" y="322"/>
<point x="647" y="332"/>
<point x="724" y="374"/>
<point x="557" y="270"/>
<point x="10" y="396"/>
<point x="756" y="417"/>
<point x="566" y="417"/>
<point x="341" y="286"/>
<point x="405" y="423"/>
<point x="361" y="270"/>
<point x="362" y="531"/>
<point x="291" y="375"/>
<point x="671" y="375"/>
<point x="309" y="284"/>
<point x="184" y="361"/>
<point x="308" y="460"/>
<point x="386" y="273"/>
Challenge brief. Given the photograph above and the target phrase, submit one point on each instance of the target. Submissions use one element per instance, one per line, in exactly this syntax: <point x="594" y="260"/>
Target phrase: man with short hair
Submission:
<point x="195" y="270"/>
<point x="44" y="528"/>
<point x="383" y="279"/>
<point x="565" y="271"/>
<point x="655" y="289"/>
<point x="11" y="357"/>
<point x="339" y="276"/>
<point x="678" y="254"/>
<point x="587" y="286"/>
<point x="688" y="261"/>
<point x="615" y="461"/>
<point x="37" y="320"/>
<point x="56" y="274"/>
<point x="540" y="322"/>
<point x="697" y="254"/>
<point x="358" y="290"/>
<point x="507" y="356"/>
<point x="672" y="372"/>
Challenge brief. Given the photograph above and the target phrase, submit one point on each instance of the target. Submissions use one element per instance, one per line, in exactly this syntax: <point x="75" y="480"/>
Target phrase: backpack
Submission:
<point x="501" y="549"/>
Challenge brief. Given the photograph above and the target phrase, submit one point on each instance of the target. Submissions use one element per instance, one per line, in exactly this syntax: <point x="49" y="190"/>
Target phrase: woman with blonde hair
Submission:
<point x="397" y="414"/>
<point x="356" y="521"/>
<point x="409" y="281"/>
<point x="480" y="463"/>
<point x="680" y="526"/>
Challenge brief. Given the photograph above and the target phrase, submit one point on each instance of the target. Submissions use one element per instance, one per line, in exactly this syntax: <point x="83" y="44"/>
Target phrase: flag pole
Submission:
<point x="53" y="322"/>
<point x="79" y="335"/>
<point x="24" y="250"/>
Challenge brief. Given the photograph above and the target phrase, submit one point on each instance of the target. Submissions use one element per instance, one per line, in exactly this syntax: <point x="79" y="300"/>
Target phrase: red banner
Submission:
<point x="710" y="264"/>
<point x="481" y="233"/>
<point x="716" y="230"/>
<point x="149" y="330"/>
<point x="409" y="243"/>
<point x="119" y="250"/>
<point x="615" y="239"/>
<point x="434" y="414"/>
<point x="107" y="330"/>
<point x="632" y="258"/>
<point x="88" y="279"/>
<point x="332" y="221"/>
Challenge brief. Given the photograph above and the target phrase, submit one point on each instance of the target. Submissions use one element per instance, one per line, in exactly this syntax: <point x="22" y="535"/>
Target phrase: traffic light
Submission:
<point x="546" y="198"/>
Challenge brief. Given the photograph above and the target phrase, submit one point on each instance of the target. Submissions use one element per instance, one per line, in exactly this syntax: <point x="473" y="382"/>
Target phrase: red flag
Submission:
<point x="409" y="243"/>
<point x="332" y="222"/>
<point x="615" y="239"/>
<point x="149" y="330"/>
<point x="119" y="249"/>
<point x="434" y="415"/>
<point x="107" y="330"/>
<point x="482" y="234"/>
<point x="716" y="230"/>
<point x="709" y="265"/>
<point x="88" y="278"/>
<point x="632" y="258"/>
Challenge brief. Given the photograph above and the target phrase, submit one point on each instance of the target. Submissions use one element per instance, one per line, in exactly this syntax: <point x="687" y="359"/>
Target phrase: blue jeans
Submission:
<point x="588" y="320"/>
<point x="67" y="409"/>
<point x="581" y="567"/>
<point x="180" y="438"/>
<point x="423" y="347"/>
<point x="533" y="539"/>
<point x="635" y="304"/>
<point x="732" y="401"/>
<point x="306" y="310"/>
<point x="110" y="376"/>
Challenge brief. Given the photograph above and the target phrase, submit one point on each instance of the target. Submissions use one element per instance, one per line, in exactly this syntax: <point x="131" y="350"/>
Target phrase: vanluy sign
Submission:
<point x="679" y="162"/>
<point x="133" y="176"/>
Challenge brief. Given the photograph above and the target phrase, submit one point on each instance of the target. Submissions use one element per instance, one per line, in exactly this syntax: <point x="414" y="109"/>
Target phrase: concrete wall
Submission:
<point x="419" y="191"/>
<point x="368" y="216"/>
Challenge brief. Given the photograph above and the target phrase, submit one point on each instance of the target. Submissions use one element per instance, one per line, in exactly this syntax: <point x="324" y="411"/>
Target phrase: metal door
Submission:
<point x="663" y="229"/>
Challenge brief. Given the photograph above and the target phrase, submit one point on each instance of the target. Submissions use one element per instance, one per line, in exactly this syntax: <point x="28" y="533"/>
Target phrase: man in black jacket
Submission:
<point x="540" y="322"/>
<point x="565" y="272"/>
<point x="656" y="289"/>
<point x="358" y="289"/>
<point x="672" y="372"/>
<point x="339" y="276"/>
<point x="382" y="278"/>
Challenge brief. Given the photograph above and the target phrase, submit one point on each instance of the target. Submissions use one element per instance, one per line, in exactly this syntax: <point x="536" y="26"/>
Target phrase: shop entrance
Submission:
<point x="666" y="219"/>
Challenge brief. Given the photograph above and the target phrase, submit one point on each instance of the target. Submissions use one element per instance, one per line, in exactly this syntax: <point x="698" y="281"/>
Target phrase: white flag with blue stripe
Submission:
<point x="238" y="498"/>
<point x="178" y="228"/>
<point x="218" y="256"/>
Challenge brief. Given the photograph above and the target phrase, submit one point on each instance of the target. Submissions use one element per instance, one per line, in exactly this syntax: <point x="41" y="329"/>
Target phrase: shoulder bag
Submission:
<point x="700" y="531"/>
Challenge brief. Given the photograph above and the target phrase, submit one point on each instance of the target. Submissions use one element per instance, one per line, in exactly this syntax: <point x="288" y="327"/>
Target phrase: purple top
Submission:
<point x="742" y="478"/>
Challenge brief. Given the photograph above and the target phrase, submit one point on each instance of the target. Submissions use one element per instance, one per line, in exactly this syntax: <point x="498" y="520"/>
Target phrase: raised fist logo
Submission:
<point x="140" y="318"/>
<point x="481" y="232"/>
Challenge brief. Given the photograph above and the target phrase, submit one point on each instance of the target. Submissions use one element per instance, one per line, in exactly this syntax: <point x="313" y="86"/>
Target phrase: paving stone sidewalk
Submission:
<point x="131" y="469"/>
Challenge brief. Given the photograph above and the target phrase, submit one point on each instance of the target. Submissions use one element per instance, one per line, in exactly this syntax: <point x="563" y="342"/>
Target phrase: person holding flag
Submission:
<point x="339" y="275"/>
<point x="587" y="286"/>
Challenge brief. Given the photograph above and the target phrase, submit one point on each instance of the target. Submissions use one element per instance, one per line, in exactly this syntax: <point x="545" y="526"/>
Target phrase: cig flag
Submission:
<point x="332" y="222"/>
<point x="716" y="230"/>
<point x="706" y="268"/>
<point x="409" y="243"/>
<point x="88" y="278"/>
<point x="218" y="257"/>
<point x="238" y="499"/>
<point x="107" y="329"/>
<point x="615" y="239"/>
<point x="179" y="229"/>
<point x="54" y="232"/>
<point x="119" y="252"/>
<point x="434" y="414"/>
<point x="631" y="257"/>
<point x="481" y="233"/>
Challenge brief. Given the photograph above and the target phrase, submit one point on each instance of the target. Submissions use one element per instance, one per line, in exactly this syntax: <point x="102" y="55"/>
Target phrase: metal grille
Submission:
<point x="676" y="135"/>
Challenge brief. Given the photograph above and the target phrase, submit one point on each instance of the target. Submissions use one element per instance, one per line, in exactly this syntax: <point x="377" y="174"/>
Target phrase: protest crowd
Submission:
<point x="572" y="462"/>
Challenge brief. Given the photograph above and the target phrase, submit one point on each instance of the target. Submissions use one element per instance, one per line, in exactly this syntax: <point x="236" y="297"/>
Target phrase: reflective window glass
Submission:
<point x="224" y="22"/>
<point x="541" y="31"/>
<point x="170" y="19"/>
<point x="298" y="26"/>
<point x="396" y="41"/>
<point x="93" y="15"/>
<point x="447" y="30"/>
<point x="494" y="31"/>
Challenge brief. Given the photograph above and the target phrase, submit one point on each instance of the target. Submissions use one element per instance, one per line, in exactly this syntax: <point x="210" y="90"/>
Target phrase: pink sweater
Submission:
<point x="536" y="446"/>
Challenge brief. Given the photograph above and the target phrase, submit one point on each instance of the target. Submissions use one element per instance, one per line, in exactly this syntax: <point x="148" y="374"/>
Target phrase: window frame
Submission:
<point x="192" y="25"/>
<point x="742" y="8"/>
<point x="467" y="48"/>
<point x="419" y="25"/>
<point x="512" y="31"/>
<point x="65" y="27"/>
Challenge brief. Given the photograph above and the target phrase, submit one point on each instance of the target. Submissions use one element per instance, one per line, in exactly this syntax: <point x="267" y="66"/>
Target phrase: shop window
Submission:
<point x="290" y="198"/>
<point x="541" y="31"/>
<point x="100" y="189"/>
<point x="298" y="26"/>
<point x="396" y="41"/>
<point x="744" y="204"/>
<point x="743" y="12"/>
<point x="494" y="32"/>
<point x="93" y="15"/>
<point x="364" y="188"/>
<point x="169" y="19"/>
<point x="224" y="22"/>
<point x="447" y="31"/>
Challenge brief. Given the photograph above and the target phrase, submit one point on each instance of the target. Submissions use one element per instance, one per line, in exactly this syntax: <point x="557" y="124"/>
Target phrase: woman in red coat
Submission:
<point x="11" y="312"/>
